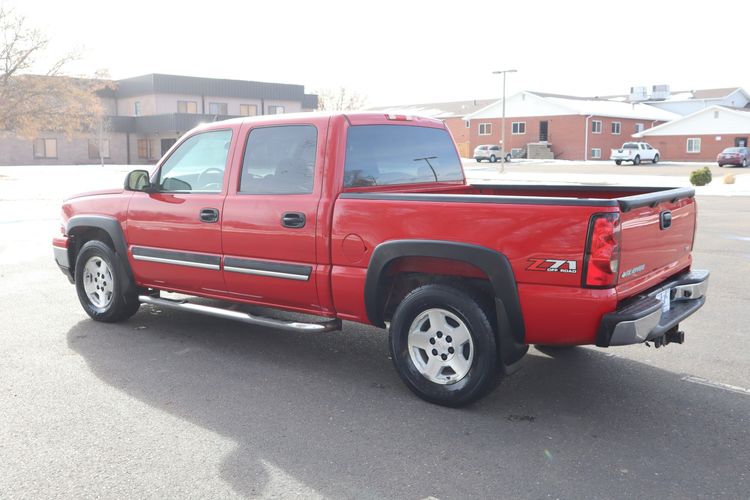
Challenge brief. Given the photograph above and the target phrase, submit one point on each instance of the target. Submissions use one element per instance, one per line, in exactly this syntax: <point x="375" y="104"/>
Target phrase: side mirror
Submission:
<point x="138" y="180"/>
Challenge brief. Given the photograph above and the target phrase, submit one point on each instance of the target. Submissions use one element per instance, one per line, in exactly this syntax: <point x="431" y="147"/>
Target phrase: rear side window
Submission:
<point x="279" y="160"/>
<point x="379" y="155"/>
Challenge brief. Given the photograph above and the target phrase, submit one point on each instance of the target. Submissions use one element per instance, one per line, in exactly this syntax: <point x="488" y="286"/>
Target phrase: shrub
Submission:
<point x="700" y="177"/>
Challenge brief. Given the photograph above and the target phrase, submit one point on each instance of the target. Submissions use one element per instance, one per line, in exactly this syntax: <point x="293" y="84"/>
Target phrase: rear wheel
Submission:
<point x="618" y="162"/>
<point x="443" y="346"/>
<point x="744" y="162"/>
<point x="507" y="158"/>
<point x="656" y="159"/>
<point x="493" y="159"/>
<point x="102" y="285"/>
<point x="637" y="160"/>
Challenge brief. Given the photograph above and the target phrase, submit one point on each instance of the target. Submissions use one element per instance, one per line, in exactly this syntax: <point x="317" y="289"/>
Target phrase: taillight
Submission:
<point x="602" y="259"/>
<point x="399" y="118"/>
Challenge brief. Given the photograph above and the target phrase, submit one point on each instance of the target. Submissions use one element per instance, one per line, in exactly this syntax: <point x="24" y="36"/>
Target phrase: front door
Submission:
<point x="174" y="234"/>
<point x="270" y="218"/>
<point x="543" y="126"/>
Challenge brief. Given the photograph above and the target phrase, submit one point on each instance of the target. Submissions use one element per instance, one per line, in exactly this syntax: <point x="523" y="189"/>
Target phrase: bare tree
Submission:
<point x="340" y="99"/>
<point x="49" y="101"/>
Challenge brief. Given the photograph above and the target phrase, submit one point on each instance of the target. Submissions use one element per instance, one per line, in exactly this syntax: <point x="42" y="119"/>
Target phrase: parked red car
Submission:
<point x="739" y="156"/>
<point x="368" y="218"/>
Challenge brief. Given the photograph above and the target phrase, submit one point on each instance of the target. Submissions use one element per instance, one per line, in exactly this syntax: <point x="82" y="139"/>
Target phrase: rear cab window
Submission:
<point x="381" y="155"/>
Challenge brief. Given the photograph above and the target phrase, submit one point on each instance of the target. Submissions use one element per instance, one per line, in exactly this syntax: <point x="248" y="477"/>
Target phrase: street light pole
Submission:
<point x="502" y="126"/>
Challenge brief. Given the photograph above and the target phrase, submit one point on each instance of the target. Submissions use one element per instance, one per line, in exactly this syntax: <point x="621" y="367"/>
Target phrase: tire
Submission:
<point x="618" y="162"/>
<point x="637" y="160"/>
<point x="421" y="351"/>
<point x="507" y="158"/>
<point x="655" y="160"/>
<point x="493" y="159"/>
<point x="744" y="163"/>
<point x="478" y="160"/>
<point x="101" y="284"/>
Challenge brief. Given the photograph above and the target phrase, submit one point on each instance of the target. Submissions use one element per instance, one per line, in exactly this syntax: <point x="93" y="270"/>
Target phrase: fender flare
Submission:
<point x="511" y="330"/>
<point x="112" y="227"/>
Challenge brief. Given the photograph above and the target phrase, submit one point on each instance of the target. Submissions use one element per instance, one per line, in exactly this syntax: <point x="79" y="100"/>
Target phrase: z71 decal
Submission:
<point x="552" y="266"/>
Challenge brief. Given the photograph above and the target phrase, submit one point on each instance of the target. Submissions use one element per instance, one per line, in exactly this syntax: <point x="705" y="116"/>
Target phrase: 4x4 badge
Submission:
<point x="552" y="266"/>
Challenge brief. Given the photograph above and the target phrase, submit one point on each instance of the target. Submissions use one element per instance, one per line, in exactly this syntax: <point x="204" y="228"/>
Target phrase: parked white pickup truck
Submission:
<point x="635" y="152"/>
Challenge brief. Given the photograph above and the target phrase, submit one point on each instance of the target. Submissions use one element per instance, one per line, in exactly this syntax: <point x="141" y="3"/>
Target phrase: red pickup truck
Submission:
<point x="368" y="217"/>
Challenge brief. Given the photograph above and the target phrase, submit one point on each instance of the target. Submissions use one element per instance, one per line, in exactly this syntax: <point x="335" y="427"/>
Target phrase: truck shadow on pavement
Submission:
<point x="329" y="412"/>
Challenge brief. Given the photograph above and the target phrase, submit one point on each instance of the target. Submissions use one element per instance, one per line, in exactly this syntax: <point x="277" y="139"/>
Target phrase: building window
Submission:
<point x="596" y="153"/>
<point x="217" y="108"/>
<point x="45" y="148"/>
<point x="144" y="149"/>
<point x="190" y="107"/>
<point x="716" y="114"/>
<point x="616" y="126"/>
<point x="275" y="110"/>
<point x="467" y="123"/>
<point x="485" y="128"/>
<point x="518" y="128"/>
<point x="694" y="145"/>
<point x="94" y="148"/>
<point x="137" y="108"/>
<point x="638" y="128"/>
<point x="248" y="110"/>
<point x="596" y="126"/>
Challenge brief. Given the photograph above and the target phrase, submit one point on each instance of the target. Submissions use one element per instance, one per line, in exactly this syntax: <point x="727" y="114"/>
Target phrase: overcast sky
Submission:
<point x="399" y="52"/>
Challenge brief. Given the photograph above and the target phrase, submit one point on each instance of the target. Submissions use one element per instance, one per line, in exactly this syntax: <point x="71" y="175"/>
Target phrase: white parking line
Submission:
<point x="717" y="385"/>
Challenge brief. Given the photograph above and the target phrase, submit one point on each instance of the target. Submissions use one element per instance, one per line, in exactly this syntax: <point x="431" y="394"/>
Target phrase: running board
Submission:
<point x="184" y="305"/>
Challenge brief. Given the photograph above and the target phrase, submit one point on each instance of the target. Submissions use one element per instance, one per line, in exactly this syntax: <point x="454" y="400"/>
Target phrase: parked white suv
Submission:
<point x="635" y="152"/>
<point x="490" y="152"/>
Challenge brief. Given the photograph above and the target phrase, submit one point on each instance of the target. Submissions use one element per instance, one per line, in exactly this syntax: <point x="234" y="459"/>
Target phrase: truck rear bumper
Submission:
<point x="651" y="315"/>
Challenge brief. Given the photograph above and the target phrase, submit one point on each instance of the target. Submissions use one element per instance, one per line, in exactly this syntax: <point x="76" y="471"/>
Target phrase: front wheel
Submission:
<point x="493" y="159"/>
<point x="618" y="162"/>
<point x="656" y="159"/>
<point x="637" y="160"/>
<point x="443" y="346"/>
<point x="101" y="285"/>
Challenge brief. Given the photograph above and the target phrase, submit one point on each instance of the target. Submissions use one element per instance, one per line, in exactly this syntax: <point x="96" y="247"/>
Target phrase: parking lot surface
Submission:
<point x="170" y="404"/>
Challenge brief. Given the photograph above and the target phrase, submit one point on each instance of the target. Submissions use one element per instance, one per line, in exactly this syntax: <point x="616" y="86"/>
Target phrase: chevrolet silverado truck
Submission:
<point x="368" y="217"/>
<point x="635" y="152"/>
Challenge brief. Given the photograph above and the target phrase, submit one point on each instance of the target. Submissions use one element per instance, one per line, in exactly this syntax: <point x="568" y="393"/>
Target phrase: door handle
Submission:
<point x="293" y="220"/>
<point x="209" y="215"/>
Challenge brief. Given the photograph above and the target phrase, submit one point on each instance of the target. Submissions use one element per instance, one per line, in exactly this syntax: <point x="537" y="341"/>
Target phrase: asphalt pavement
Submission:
<point x="174" y="405"/>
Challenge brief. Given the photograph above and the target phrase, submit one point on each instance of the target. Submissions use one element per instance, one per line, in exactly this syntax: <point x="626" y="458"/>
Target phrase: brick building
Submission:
<point x="147" y="114"/>
<point x="702" y="135"/>
<point x="561" y="126"/>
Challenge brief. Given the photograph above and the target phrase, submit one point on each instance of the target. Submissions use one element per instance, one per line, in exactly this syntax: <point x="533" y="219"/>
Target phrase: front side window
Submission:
<point x="217" y="108"/>
<point x="198" y="164"/>
<point x="518" y="128"/>
<point x="280" y="160"/>
<point x="485" y="128"/>
<point x="694" y="145"/>
<point x="596" y="126"/>
<point x="378" y="155"/>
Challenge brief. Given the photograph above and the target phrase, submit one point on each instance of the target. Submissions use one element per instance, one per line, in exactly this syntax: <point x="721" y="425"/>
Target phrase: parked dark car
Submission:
<point x="739" y="156"/>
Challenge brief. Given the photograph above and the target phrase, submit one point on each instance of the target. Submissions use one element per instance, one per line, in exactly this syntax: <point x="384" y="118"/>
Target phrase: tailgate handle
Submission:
<point x="665" y="220"/>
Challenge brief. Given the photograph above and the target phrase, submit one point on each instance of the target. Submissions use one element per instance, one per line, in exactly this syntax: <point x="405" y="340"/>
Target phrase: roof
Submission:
<point x="156" y="83"/>
<point x="707" y="121"/>
<point x="685" y="95"/>
<point x="454" y="109"/>
<point x="546" y="104"/>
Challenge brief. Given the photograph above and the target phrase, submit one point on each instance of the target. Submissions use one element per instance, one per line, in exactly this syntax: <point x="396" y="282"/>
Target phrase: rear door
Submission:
<point x="174" y="235"/>
<point x="270" y="221"/>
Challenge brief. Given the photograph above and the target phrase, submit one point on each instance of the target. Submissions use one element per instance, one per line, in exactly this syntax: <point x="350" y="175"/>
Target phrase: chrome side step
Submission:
<point x="184" y="305"/>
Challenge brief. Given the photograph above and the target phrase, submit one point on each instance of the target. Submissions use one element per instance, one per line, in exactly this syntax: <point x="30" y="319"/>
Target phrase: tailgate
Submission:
<point x="656" y="238"/>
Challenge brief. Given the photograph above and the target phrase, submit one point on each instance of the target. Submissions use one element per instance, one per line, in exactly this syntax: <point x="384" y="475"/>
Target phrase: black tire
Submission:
<point x="637" y="160"/>
<point x="121" y="304"/>
<point x="618" y="162"/>
<point x="655" y="160"/>
<point x="507" y="158"/>
<point x="478" y="160"/>
<point x="493" y="159"/>
<point x="483" y="372"/>
<point x="744" y="163"/>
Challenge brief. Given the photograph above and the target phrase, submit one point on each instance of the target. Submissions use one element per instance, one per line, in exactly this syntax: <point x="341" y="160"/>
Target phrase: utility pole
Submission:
<point x="502" y="126"/>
